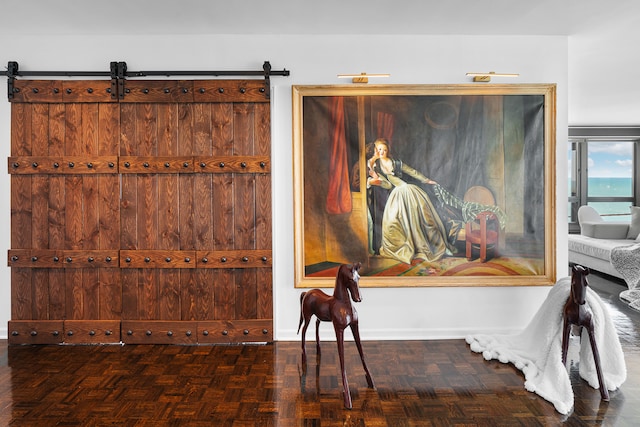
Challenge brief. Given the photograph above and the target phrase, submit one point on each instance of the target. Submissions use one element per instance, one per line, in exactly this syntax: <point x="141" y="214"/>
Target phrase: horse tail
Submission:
<point x="301" y="316"/>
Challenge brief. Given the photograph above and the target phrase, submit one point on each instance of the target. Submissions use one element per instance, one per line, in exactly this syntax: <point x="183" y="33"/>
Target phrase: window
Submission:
<point x="602" y="172"/>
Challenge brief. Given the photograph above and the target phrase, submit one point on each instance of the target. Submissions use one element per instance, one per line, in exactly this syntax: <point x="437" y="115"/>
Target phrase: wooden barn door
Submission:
<point x="145" y="219"/>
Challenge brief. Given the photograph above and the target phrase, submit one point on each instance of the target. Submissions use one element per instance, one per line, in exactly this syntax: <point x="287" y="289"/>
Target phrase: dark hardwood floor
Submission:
<point x="418" y="383"/>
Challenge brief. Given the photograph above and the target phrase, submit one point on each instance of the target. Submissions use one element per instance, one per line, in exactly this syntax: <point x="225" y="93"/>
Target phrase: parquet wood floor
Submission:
<point x="419" y="383"/>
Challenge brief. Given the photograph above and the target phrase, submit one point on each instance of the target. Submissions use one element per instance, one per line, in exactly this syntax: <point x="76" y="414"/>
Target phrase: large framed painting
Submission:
<point x="425" y="185"/>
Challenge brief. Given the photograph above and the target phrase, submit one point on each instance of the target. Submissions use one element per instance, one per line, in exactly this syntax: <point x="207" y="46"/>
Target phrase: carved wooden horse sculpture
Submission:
<point x="338" y="310"/>
<point x="576" y="312"/>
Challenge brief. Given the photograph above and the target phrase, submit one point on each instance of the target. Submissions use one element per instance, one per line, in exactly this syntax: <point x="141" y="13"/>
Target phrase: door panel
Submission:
<point x="153" y="209"/>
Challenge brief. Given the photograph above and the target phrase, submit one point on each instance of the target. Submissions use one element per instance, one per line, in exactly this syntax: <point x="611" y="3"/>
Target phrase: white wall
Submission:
<point x="604" y="88"/>
<point x="385" y="313"/>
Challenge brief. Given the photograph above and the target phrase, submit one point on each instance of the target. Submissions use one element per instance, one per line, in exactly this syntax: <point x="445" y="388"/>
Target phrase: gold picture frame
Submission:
<point x="444" y="142"/>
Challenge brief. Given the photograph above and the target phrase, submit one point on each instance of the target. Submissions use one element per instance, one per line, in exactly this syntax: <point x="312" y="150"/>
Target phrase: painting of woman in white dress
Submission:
<point x="412" y="226"/>
<point x="387" y="176"/>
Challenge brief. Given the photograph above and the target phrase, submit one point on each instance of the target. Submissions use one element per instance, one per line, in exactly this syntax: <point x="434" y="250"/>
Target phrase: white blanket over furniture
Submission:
<point x="537" y="350"/>
<point x="626" y="260"/>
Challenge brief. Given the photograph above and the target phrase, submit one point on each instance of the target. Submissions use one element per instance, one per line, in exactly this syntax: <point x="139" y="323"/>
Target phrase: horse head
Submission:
<point x="348" y="277"/>
<point x="579" y="283"/>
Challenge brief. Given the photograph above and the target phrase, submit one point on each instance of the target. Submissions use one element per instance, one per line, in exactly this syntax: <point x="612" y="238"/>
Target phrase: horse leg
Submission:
<point x="345" y="384"/>
<point x="566" y="331"/>
<point x="317" y="337"/>
<point x="304" y="349"/>
<point x="356" y="335"/>
<point x="304" y="317"/>
<point x="604" y="392"/>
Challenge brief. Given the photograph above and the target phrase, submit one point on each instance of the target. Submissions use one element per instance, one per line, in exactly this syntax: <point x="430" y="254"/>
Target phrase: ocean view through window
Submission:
<point x="601" y="175"/>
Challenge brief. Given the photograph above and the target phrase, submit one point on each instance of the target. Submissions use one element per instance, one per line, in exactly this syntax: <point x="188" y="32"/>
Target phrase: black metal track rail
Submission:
<point x="118" y="73"/>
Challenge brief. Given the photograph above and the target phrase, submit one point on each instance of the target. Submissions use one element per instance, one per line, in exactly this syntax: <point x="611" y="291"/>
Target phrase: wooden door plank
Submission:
<point x="128" y="209"/>
<point x="73" y="211"/>
<point x="57" y="213"/>
<point x="263" y="211"/>
<point x="109" y="212"/>
<point x="90" y="212"/>
<point x="168" y="213"/>
<point x="224" y="288"/>
<point x="186" y="206"/>
<point x="40" y="210"/>
<point x="147" y="209"/>
<point x="203" y="217"/>
<point x="244" y="211"/>
<point x="21" y="278"/>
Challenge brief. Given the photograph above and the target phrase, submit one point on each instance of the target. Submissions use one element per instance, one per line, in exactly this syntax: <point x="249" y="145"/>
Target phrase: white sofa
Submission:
<point x="592" y="247"/>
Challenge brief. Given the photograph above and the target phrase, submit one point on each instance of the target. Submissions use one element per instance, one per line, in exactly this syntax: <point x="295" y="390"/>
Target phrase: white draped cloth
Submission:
<point x="537" y="350"/>
<point x="626" y="259"/>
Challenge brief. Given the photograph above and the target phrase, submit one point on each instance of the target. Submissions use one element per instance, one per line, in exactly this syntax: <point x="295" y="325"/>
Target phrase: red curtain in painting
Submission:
<point x="339" y="193"/>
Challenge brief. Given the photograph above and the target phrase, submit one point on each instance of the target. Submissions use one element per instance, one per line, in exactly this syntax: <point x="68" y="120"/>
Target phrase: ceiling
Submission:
<point x="447" y="17"/>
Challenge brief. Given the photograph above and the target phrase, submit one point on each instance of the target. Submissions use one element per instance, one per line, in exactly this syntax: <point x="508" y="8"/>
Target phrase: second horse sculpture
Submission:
<point x="576" y="312"/>
<point x="338" y="310"/>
